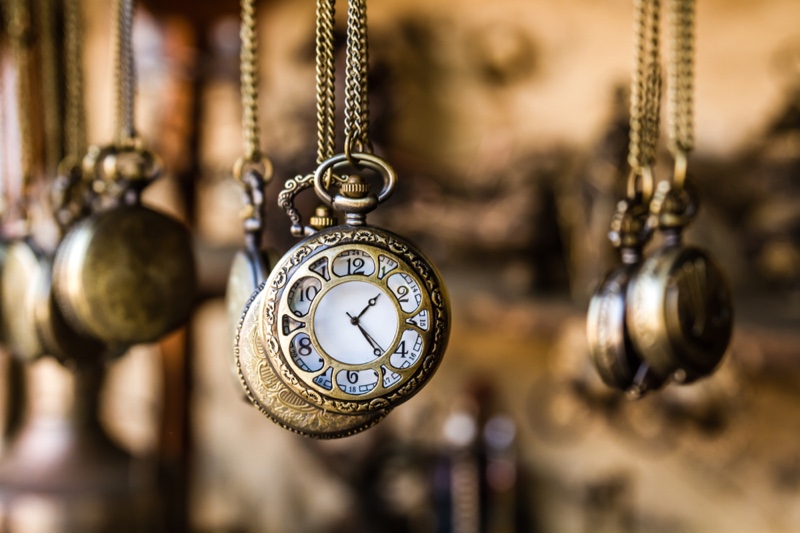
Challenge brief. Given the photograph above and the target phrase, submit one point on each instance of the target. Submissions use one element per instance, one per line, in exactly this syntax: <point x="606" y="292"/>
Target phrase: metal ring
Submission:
<point x="679" y="175"/>
<point x="362" y="159"/>
<point x="645" y="181"/>
<point x="258" y="162"/>
<point x="148" y="168"/>
<point x="93" y="161"/>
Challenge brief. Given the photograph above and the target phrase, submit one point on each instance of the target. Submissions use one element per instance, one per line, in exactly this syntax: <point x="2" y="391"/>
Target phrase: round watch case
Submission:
<point x="398" y="275"/>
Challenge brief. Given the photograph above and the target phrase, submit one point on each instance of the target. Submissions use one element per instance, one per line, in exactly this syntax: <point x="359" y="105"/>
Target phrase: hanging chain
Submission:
<point x="74" y="112"/>
<point x="124" y="72"/>
<point x="356" y="112"/>
<point x="326" y="96"/>
<point x="680" y="86"/>
<point x="253" y="170"/>
<point x="18" y="20"/>
<point x="645" y="97"/>
<point x="51" y="98"/>
<point x="248" y="57"/>
<point x="70" y="198"/>
<point x="253" y="158"/>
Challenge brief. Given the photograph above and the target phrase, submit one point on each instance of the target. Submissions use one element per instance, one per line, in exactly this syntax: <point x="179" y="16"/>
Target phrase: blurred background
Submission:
<point x="507" y="124"/>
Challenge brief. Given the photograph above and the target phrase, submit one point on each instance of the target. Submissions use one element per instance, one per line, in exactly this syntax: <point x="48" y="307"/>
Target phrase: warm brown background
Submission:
<point x="505" y="123"/>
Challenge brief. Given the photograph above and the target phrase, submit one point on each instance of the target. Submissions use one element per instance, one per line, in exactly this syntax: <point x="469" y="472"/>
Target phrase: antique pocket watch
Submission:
<point x="680" y="311"/>
<point x="271" y="396"/>
<point x="618" y="363"/>
<point x="24" y="265"/>
<point x="125" y="274"/>
<point x="355" y="318"/>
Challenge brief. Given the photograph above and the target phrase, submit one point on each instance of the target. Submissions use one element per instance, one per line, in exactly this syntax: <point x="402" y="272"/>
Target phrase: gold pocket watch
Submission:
<point x="680" y="314"/>
<point x="125" y="274"/>
<point x="271" y="396"/>
<point x="355" y="318"/>
<point x="251" y="265"/>
<point x="618" y="363"/>
<point x="24" y="266"/>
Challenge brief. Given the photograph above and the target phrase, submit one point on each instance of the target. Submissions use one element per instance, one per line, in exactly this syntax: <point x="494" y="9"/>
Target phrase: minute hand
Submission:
<point x="376" y="348"/>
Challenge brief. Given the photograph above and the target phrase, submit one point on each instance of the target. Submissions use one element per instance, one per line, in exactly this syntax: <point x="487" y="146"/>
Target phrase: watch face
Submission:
<point x="357" y="314"/>
<point x="273" y="398"/>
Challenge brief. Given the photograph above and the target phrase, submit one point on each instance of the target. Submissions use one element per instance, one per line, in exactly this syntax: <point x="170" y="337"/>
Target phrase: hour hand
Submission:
<point x="370" y="303"/>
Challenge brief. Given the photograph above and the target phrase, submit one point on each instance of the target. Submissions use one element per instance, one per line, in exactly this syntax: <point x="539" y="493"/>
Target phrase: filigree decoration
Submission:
<point x="273" y="398"/>
<point x="418" y="263"/>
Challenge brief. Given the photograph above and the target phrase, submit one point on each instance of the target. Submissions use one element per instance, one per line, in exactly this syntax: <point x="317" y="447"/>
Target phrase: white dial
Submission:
<point x="356" y="322"/>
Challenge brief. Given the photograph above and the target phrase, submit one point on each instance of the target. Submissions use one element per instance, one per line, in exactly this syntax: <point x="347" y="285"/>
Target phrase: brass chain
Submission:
<point x="248" y="57"/>
<point x="45" y="14"/>
<point x="253" y="170"/>
<point x="124" y="72"/>
<point x="74" y="112"/>
<point x="680" y="86"/>
<point x="356" y="103"/>
<point x="18" y="20"/>
<point x="325" y="78"/>
<point x="645" y="97"/>
<point x="70" y="198"/>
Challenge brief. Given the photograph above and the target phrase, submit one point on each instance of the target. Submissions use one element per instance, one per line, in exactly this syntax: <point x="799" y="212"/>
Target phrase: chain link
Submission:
<point x="680" y="87"/>
<point x="74" y="112"/>
<point x="18" y="20"/>
<point x="356" y="112"/>
<point x="645" y="95"/>
<point x="124" y="71"/>
<point x="325" y="78"/>
<point x="51" y="97"/>
<point x="248" y="58"/>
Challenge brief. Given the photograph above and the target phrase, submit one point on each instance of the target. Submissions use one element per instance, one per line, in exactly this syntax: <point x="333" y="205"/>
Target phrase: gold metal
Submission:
<point x="680" y="78"/>
<point x="58" y="337"/>
<point x="277" y="402"/>
<point x="680" y="312"/>
<point x="124" y="72"/>
<point x="326" y="77"/>
<point x="249" y="269"/>
<point x="5" y="245"/>
<point x="357" y="203"/>
<point x="356" y="101"/>
<point x="375" y="242"/>
<point x="617" y="362"/>
<point x="323" y="218"/>
<point x="74" y="109"/>
<point x="645" y="96"/>
<point x="620" y="366"/>
<point x="126" y="275"/>
<point x="21" y="271"/>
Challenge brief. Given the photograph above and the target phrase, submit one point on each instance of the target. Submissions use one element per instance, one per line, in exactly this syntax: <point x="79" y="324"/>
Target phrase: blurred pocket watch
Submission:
<point x="125" y="274"/>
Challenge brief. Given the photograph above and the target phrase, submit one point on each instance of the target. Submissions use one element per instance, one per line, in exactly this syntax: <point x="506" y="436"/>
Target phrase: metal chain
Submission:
<point x="74" y="112"/>
<point x="124" y="72"/>
<point x="356" y="103"/>
<point x="645" y="96"/>
<point x="18" y="20"/>
<point x="680" y="87"/>
<point x="51" y="98"/>
<point x="325" y="77"/>
<point x="248" y="57"/>
<point x="69" y="196"/>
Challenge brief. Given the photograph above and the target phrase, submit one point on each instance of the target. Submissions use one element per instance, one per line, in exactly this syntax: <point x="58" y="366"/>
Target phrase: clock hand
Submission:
<point x="370" y="303"/>
<point x="376" y="348"/>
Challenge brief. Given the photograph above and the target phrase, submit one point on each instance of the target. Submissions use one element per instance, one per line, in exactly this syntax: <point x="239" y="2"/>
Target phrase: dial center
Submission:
<point x="356" y="322"/>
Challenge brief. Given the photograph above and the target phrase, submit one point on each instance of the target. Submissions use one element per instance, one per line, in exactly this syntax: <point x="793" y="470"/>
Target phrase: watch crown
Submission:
<point x="323" y="218"/>
<point x="354" y="187"/>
